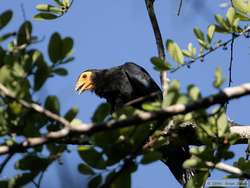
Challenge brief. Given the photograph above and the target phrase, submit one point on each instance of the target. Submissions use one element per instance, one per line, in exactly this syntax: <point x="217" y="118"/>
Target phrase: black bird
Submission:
<point x="121" y="84"/>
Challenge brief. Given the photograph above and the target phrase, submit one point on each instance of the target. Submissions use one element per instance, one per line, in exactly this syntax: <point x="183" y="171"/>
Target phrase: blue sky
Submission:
<point x="111" y="32"/>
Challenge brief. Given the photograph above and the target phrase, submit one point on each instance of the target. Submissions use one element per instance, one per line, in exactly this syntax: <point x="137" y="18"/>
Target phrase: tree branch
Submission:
<point x="228" y="168"/>
<point x="5" y="162"/>
<point x="4" y="91"/>
<point x="159" y="42"/>
<point x="141" y="117"/>
<point x="179" y="8"/>
<point x="236" y="35"/>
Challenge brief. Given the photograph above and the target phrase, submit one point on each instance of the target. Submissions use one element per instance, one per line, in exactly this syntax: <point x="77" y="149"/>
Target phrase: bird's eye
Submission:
<point x="84" y="76"/>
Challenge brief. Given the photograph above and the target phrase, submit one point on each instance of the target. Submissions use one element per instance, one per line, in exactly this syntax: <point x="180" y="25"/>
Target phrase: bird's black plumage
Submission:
<point x="127" y="82"/>
<point x="124" y="83"/>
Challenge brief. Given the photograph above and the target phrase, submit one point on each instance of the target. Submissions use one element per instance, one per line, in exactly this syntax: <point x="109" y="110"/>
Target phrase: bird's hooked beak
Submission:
<point x="85" y="82"/>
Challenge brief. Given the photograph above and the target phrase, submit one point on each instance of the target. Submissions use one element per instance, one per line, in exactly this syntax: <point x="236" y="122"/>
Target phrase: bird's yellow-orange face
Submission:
<point x="85" y="82"/>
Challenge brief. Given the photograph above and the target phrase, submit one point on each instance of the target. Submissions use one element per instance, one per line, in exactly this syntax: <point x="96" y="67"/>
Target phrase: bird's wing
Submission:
<point x="141" y="81"/>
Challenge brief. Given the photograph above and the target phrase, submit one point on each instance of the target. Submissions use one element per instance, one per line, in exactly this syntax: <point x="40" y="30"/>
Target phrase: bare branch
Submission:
<point x="5" y="162"/>
<point x="4" y="91"/>
<point x="141" y="117"/>
<point x="159" y="42"/>
<point x="179" y="8"/>
<point x="228" y="168"/>
<point x="231" y="61"/>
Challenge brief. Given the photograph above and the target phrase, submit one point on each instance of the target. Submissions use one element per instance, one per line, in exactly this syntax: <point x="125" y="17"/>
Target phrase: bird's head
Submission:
<point x="85" y="81"/>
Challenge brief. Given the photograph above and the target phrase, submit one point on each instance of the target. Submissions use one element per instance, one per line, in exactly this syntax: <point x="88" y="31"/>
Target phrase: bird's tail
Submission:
<point x="173" y="157"/>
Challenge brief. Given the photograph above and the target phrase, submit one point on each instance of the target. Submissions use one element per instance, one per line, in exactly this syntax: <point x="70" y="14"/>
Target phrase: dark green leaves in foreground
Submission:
<point x="59" y="48"/>
<point x="24" y="70"/>
<point x="160" y="64"/>
<point x="5" y="18"/>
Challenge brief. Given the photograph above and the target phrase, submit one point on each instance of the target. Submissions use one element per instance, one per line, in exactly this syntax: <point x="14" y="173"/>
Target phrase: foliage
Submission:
<point x="24" y="70"/>
<point x="111" y="156"/>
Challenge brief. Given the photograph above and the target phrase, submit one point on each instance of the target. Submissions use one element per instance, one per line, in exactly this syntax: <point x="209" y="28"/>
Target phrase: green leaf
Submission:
<point x="160" y="64"/>
<point x="92" y="157"/>
<point x="222" y="23"/>
<point x="122" y="181"/>
<point x="194" y="92"/>
<point x="32" y="163"/>
<point x="192" y="163"/>
<point x="150" y="157"/>
<point x="85" y="169"/>
<point x="201" y="38"/>
<point x="66" y="3"/>
<point x="243" y="164"/>
<point x="230" y="16"/>
<point x="71" y="114"/>
<point x="49" y="8"/>
<point x="55" y="47"/>
<point x="24" y="34"/>
<point x="198" y="180"/>
<point x="5" y="18"/>
<point x="153" y="106"/>
<point x="41" y="74"/>
<point x="102" y="111"/>
<point x="199" y="34"/>
<point x="52" y="103"/>
<point x="18" y="181"/>
<point x="58" y="2"/>
<point x="67" y="60"/>
<point x="175" y="52"/>
<point x="67" y="46"/>
<point x="45" y="16"/>
<point x="95" y="182"/>
<point x="190" y="52"/>
<point x="222" y="124"/>
<point x="243" y="6"/>
<point x="7" y="36"/>
<point x="61" y="71"/>
<point x="219" y="80"/>
<point x="197" y="150"/>
<point x="242" y="17"/>
<point x="210" y="32"/>
<point x="220" y="29"/>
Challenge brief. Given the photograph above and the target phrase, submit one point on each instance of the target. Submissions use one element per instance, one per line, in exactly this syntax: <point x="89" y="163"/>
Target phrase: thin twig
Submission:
<point x="40" y="179"/>
<point x="139" y="119"/>
<point x="5" y="162"/>
<point x="23" y="12"/>
<point x="179" y="9"/>
<point x="187" y="64"/>
<point x="231" y="61"/>
<point x="230" y="80"/>
<point x="159" y="43"/>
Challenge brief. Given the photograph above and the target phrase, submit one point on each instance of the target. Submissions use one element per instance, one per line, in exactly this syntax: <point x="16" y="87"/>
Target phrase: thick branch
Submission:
<point x="229" y="169"/>
<point x="141" y="117"/>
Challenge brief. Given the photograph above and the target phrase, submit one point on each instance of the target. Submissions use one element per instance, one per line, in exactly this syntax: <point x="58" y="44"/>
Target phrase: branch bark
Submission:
<point x="228" y="168"/>
<point x="141" y="117"/>
<point x="159" y="42"/>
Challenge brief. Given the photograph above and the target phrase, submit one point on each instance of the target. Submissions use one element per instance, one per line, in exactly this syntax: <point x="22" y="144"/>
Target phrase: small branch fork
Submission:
<point x="159" y="42"/>
<point x="245" y="31"/>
